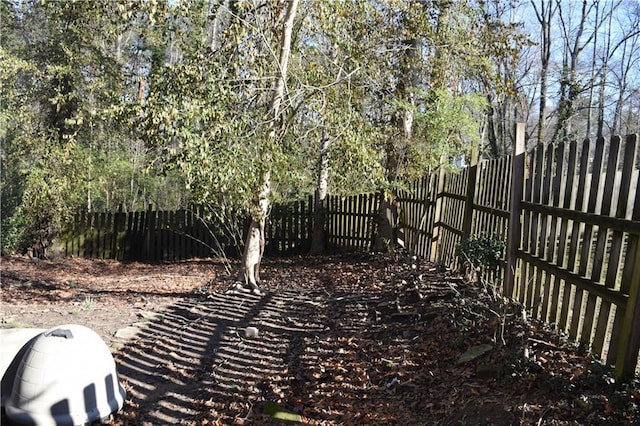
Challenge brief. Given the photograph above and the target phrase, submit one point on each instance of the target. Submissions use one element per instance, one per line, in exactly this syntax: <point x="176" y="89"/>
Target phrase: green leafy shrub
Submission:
<point x="482" y="252"/>
<point x="12" y="231"/>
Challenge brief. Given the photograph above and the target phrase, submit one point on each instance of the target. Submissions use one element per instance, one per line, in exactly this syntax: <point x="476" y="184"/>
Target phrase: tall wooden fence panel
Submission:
<point x="578" y="253"/>
<point x="439" y="218"/>
<point x="490" y="208"/>
<point x="451" y="220"/>
<point x="575" y="259"/>
<point x="154" y="235"/>
<point x="149" y="235"/>
<point x="491" y="201"/>
<point x="288" y="230"/>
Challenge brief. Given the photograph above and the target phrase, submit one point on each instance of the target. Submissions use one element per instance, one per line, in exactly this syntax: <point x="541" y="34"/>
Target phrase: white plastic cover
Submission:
<point x="67" y="376"/>
<point x="13" y="344"/>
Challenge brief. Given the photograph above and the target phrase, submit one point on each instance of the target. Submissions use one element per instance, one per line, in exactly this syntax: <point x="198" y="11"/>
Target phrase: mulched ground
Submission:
<point x="349" y="339"/>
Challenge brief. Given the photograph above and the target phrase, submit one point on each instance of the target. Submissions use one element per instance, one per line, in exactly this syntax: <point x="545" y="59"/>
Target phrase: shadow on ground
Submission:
<point x="342" y="340"/>
<point x="195" y="364"/>
<point x="368" y="351"/>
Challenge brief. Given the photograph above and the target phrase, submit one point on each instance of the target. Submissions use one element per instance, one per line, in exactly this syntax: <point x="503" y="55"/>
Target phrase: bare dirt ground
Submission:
<point x="102" y="294"/>
<point x="352" y="339"/>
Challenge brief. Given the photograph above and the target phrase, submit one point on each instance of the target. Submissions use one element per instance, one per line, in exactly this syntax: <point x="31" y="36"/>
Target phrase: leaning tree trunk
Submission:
<point x="254" y="245"/>
<point x="387" y="218"/>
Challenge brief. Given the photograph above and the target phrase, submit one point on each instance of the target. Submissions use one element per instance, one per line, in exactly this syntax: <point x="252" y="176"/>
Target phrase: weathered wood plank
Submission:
<point x="575" y="330"/>
<point x="553" y="292"/>
<point x="511" y="286"/>
<point x="541" y="290"/>
<point x="577" y="201"/>
<point x="602" y="236"/>
<point x="537" y="173"/>
<point x="545" y="280"/>
<point x="630" y="157"/>
<point x="567" y="189"/>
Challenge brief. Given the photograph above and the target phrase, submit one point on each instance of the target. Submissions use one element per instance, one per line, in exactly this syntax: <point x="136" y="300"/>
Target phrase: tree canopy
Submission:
<point x="128" y="103"/>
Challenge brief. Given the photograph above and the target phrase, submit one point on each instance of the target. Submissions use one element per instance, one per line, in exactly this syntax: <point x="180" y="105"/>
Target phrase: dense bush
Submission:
<point x="482" y="252"/>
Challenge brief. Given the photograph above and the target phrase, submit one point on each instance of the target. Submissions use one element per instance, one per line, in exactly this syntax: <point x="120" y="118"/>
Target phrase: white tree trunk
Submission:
<point x="254" y="246"/>
<point x="319" y="236"/>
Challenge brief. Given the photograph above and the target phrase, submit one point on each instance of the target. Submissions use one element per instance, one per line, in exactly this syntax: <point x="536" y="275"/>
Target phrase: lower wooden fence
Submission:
<point x="149" y="235"/>
<point x="154" y="235"/>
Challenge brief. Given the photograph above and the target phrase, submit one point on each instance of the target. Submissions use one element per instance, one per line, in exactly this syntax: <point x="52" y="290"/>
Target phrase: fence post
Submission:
<point x="148" y="224"/>
<point x="437" y="214"/>
<point x="119" y="225"/>
<point x="472" y="178"/>
<point x="630" y="337"/>
<point x="515" y="207"/>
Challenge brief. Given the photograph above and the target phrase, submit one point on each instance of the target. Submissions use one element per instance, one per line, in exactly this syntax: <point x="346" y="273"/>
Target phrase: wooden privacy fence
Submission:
<point x="144" y="235"/>
<point x="288" y="230"/>
<point x="154" y="235"/>
<point x="570" y="214"/>
<point x="350" y="224"/>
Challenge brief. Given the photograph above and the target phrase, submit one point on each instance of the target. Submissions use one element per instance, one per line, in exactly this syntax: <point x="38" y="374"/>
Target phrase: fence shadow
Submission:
<point x="196" y="364"/>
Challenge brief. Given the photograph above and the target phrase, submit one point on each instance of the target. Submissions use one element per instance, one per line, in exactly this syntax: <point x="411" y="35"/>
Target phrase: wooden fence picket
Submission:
<point x="601" y="233"/>
<point x="576" y="227"/>
<point x="513" y="287"/>
<point x="542" y="277"/>
<point x="587" y="238"/>
<point x="563" y="187"/>
<point x="534" y="194"/>
<point x="616" y="247"/>
<point x="555" y="244"/>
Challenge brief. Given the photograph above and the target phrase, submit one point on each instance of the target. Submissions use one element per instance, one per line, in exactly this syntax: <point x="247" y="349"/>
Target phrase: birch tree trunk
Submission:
<point x="603" y="79"/>
<point x="319" y="236"/>
<point x="594" y="58"/>
<point x="254" y="245"/>
<point x="630" y="44"/>
<point x="544" y="16"/>
<point x="570" y="87"/>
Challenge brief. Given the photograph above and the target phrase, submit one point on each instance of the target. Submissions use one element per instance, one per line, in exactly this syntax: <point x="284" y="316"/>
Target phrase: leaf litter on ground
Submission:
<point x="344" y="339"/>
